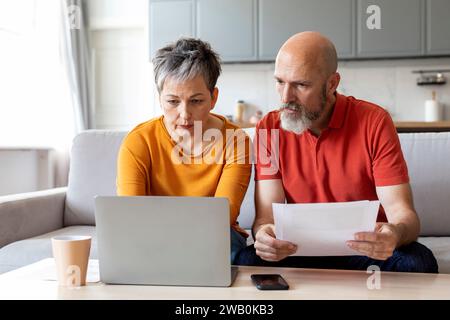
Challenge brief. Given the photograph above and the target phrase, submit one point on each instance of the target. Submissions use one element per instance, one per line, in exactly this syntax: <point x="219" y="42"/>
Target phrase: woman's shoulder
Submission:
<point x="143" y="131"/>
<point x="224" y="123"/>
<point x="227" y="126"/>
<point x="146" y="126"/>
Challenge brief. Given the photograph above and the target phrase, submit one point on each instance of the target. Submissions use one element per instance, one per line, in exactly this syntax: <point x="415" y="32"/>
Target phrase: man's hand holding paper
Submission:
<point x="269" y="247"/>
<point x="326" y="229"/>
<point x="379" y="244"/>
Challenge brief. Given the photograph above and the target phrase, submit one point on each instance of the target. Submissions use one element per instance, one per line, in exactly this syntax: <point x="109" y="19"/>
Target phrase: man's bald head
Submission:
<point x="306" y="79"/>
<point x="311" y="49"/>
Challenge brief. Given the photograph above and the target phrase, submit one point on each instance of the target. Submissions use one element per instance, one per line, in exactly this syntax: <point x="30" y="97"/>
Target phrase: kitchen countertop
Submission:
<point x="420" y="126"/>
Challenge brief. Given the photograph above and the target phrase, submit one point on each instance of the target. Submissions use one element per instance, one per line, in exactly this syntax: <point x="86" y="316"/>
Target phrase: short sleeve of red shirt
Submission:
<point x="266" y="148"/>
<point x="389" y="166"/>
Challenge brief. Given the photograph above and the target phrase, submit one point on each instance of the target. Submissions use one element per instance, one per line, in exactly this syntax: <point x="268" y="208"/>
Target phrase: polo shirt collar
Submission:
<point x="339" y="110"/>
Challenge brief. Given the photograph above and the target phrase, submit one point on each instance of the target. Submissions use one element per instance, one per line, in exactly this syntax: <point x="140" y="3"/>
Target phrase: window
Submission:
<point x="35" y="105"/>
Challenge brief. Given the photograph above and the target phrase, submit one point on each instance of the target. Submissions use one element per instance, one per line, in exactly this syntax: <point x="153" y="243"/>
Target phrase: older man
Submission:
<point x="332" y="148"/>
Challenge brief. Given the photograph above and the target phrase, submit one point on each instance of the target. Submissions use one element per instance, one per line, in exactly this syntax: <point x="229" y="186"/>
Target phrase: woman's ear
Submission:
<point x="214" y="97"/>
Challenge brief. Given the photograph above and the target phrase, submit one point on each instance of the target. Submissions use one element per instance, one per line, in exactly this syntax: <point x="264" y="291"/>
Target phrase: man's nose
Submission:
<point x="287" y="94"/>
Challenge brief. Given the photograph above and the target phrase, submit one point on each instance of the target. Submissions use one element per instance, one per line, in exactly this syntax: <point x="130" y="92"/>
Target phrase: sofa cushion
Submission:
<point x="440" y="246"/>
<point x="93" y="167"/>
<point x="24" y="252"/>
<point x="428" y="157"/>
<point x="247" y="211"/>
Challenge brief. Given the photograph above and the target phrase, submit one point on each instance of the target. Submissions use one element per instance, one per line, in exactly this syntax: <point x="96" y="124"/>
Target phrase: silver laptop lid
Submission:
<point x="163" y="240"/>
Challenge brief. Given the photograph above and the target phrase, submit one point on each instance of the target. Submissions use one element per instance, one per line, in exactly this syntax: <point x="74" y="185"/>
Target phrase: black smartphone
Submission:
<point x="269" y="282"/>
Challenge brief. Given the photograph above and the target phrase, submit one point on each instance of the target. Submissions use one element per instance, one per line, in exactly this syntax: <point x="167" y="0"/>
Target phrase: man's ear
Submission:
<point x="333" y="82"/>
<point x="214" y="97"/>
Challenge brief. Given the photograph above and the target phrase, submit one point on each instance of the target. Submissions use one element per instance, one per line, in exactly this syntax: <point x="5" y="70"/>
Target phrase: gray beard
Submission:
<point x="296" y="123"/>
<point x="301" y="120"/>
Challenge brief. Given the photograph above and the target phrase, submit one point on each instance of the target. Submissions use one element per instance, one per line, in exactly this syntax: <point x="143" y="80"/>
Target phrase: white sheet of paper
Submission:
<point x="321" y="229"/>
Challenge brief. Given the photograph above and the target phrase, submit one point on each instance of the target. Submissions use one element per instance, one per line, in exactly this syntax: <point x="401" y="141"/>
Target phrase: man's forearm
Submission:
<point x="408" y="226"/>
<point x="399" y="208"/>
<point x="267" y="192"/>
<point x="258" y="225"/>
<point x="407" y="232"/>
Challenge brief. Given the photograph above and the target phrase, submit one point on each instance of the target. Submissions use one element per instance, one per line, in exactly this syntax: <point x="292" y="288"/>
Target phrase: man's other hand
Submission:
<point x="380" y="244"/>
<point x="269" y="248"/>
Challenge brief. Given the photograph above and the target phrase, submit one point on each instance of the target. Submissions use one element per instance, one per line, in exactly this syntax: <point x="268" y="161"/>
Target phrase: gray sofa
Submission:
<point x="28" y="221"/>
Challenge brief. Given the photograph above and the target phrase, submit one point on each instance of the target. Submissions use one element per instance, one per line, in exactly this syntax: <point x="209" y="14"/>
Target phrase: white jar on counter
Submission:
<point x="432" y="109"/>
<point x="239" y="112"/>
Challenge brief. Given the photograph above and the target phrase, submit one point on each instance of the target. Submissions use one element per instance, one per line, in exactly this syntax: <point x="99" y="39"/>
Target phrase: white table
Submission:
<point x="34" y="282"/>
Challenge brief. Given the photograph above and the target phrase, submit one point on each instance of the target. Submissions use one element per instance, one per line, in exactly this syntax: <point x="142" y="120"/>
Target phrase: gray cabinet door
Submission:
<point x="438" y="27"/>
<point x="401" y="30"/>
<point x="169" y="20"/>
<point x="229" y="26"/>
<point x="280" y="19"/>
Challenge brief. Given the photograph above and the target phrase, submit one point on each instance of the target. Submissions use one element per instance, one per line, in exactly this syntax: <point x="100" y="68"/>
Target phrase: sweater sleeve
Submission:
<point x="132" y="169"/>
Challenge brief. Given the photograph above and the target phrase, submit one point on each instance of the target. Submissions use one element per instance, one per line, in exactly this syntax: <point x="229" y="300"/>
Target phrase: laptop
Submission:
<point x="154" y="240"/>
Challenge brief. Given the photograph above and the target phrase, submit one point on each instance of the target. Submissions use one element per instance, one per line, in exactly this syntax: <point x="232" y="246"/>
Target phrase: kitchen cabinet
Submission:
<point x="401" y="32"/>
<point x="438" y="27"/>
<point x="280" y="19"/>
<point x="229" y="26"/>
<point x="254" y="30"/>
<point x="169" y="20"/>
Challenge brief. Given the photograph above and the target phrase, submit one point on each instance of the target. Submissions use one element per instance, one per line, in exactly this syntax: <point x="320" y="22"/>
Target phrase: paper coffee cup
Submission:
<point x="71" y="255"/>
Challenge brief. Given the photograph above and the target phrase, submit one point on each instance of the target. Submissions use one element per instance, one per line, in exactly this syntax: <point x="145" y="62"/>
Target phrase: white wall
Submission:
<point x="122" y="77"/>
<point x="122" y="72"/>
<point x="389" y="83"/>
<point x="125" y="92"/>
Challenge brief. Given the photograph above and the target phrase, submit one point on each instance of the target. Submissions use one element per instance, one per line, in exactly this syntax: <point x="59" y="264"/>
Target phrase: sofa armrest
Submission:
<point x="31" y="214"/>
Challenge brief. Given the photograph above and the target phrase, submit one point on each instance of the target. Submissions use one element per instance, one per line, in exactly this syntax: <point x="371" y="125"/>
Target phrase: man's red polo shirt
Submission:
<point x="359" y="151"/>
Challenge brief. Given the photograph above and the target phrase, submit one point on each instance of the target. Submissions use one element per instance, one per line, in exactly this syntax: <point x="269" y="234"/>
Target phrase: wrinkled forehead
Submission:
<point x="193" y="83"/>
<point x="297" y="66"/>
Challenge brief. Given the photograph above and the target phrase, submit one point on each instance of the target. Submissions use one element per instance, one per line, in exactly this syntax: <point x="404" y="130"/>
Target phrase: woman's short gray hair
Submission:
<point x="186" y="59"/>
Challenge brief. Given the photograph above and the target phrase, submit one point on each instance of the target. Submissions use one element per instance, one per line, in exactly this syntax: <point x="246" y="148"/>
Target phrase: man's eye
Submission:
<point x="196" y="101"/>
<point x="172" y="102"/>
<point x="278" y="81"/>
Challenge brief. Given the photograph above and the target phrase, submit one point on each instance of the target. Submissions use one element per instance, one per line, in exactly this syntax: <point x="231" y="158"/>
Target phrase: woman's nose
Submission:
<point x="184" y="111"/>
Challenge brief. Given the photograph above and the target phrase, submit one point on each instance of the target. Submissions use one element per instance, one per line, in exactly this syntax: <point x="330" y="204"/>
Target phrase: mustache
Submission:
<point x="291" y="106"/>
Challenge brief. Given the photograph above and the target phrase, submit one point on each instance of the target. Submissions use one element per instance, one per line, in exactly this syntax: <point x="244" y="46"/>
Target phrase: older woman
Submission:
<point x="167" y="155"/>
